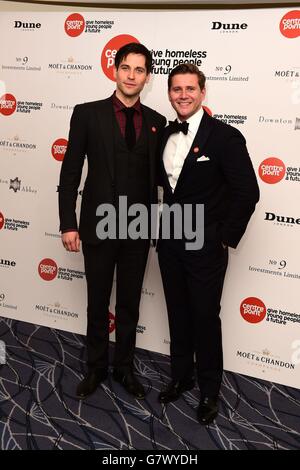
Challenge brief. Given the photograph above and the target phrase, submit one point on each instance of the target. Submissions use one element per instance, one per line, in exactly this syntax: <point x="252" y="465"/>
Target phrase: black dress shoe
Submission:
<point x="174" y="390"/>
<point x="130" y="383"/>
<point x="207" y="410"/>
<point x="90" y="383"/>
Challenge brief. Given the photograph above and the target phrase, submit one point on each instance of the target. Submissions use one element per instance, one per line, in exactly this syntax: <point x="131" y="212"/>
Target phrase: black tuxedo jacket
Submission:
<point x="218" y="173"/>
<point x="91" y="135"/>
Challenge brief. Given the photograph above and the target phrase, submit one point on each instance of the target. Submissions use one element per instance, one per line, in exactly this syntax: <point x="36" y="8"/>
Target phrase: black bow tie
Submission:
<point x="176" y="126"/>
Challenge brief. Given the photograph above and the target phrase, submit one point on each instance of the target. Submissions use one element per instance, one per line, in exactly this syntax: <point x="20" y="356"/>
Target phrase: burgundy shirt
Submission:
<point x="121" y="118"/>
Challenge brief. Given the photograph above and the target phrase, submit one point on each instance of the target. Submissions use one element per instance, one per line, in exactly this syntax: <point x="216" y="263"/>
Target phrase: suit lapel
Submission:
<point x="105" y="118"/>
<point x="199" y="141"/>
<point x="165" y="137"/>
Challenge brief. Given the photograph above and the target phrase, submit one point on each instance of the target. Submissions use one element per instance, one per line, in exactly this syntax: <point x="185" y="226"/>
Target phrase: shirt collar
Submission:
<point x="194" y="120"/>
<point x="119" y="105"/>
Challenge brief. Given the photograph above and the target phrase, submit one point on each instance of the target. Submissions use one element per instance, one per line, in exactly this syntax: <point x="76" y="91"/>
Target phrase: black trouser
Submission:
<point x="130" y="258"/>
<point x="193" y="282"/>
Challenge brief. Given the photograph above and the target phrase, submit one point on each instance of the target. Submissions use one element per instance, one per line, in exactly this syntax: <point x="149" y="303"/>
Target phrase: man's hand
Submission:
<point x="71" y="241"/>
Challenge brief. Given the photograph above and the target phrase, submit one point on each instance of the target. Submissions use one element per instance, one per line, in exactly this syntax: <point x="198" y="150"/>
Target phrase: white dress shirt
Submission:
<point x="178" y="147"/>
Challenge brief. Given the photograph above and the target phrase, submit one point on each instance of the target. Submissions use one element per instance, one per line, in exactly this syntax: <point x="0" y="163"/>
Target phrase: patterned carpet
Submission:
<point x="39" y="410"/>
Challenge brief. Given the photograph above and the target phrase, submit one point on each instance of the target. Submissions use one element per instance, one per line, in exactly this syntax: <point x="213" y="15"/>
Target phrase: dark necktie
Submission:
<point x="176" y="126"/>
<point x="129" y="128"/>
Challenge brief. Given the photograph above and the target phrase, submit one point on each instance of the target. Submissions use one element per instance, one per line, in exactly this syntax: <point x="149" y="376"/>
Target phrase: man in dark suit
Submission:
<point x="119" y="136"/>
<point x="204" y="161"/>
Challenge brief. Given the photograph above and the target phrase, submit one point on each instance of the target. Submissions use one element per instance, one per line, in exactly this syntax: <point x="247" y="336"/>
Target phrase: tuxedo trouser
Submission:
<point x="130" y="258"/>
<point x="193" y="282"/>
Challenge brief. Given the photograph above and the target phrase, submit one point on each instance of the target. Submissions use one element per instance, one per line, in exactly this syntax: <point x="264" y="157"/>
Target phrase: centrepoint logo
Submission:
<point x="58" y="149"/>
<point x="112" y="322"/>
<point x="253" y="310"/>
<point x="8" y="104"/>
<point x="290" y="24"/>
<point x="271" y="170"/>
<point x="110" y="50"/>
<point x="74" y="25"/>
<point x="47" y="269"/>
<point x="2" y="220"/>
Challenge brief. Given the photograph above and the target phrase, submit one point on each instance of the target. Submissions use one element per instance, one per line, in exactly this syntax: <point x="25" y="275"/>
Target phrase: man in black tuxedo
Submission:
<point x="119" y="136"/>
<point x="204" y="161"/>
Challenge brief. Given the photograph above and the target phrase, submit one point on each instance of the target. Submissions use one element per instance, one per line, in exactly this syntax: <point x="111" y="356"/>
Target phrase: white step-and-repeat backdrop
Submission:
<point x="51" y="61"/>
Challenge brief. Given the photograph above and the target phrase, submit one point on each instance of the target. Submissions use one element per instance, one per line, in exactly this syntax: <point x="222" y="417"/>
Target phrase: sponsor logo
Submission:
<point x="277" y="121"/>
<point x="74" y="25"/>
<point x="61" y="107"/>
<point x="140" y="329"/>
<point x="3" y="304"/>
<point x="56" y="311"/>
<point x="15" y="184"/>
<point x="110" y="50"/>
<point x="147" y="292"/>
<point x="2" y="220"/>
<point x="265" y="360"/>
<point x="290" y="24"/>
<point x="253" y="310"/>
<point x="70" y="66"/>
<point x="165" y="60"/>
<point x="228" y="27"/>
<point x="276" y="268"/>
<point x="8" y="104"/>
<point x="12" y="224"/>
<point x="225" y="73"/>
<point x="287" y="73"/>
<point x="281" y="219"/>
<point x="7" y="263"/>
<point x="22" y="64"/>
<point x="47" y="269"/>
<point x="271" y="170"/>
<point x="234" y="119"/>
<point x="25" y="26"/>
<point x="16" y="145"/>
<point x="59" y="148"/>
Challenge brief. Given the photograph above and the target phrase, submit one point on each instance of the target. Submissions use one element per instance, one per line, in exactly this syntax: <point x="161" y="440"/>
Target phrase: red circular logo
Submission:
<point x="2" y="220"/>
<point x="59" y="148"/>
<point x="253" y="310"/>
<point x="8" y="104"/>
<point x="290" y="24"/>
<point x="47" y="269"/>
<point x="110" y="50"/>
<point x="207" y="110"/>
<point x="112" y="322"/>
<point x="74" y="25"/>
<point x="271" y="170"/>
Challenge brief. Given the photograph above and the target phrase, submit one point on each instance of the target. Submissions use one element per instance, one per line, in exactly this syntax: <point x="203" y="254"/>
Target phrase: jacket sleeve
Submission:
<point x="244" y="191"/>
<point x="71" y="169"/>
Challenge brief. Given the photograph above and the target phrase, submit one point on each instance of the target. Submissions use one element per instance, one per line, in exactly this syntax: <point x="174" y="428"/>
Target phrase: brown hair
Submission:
<point x="187" y="68"/>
